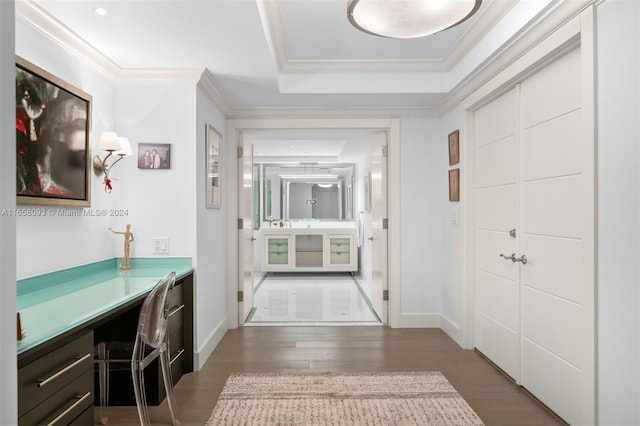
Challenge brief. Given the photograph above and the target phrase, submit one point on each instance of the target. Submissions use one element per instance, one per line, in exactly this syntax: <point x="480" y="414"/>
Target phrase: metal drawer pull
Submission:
<point x="177" y="356"/>
<point x="54" y="376"/>
<point x="80" y="400"/>
<point x="515" y="259"/>
<point x="179" y="308"/>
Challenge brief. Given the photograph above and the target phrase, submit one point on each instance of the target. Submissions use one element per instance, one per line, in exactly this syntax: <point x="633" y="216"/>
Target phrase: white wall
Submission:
<point x="8" y="367"/>
<point x="49" y="243"/>
<point x="160" y="202"/>
<point x="423" y="175"/>
<point x="211" y="253"/>
<point x="618" y="115"/>
<point x="452" y="307"/>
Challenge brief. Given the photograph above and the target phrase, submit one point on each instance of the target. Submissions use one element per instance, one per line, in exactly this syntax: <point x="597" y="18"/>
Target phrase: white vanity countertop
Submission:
<point x="316" y="228"/>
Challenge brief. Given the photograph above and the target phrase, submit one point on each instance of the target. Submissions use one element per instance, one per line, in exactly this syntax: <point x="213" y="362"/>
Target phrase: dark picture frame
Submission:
<point x="454" y="185"/>
<point x="154" y="155"/>
<point x="454" y="147"/>
<point x="213" y="168"/>
<point x="53" y="133"/>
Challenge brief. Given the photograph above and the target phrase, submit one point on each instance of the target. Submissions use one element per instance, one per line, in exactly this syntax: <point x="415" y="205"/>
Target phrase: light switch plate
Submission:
<point x="160" y="245"/>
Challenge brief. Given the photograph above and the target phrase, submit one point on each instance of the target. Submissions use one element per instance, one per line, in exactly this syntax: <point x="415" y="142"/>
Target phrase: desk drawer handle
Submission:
<point x="54" y="376"/>
<point x="175" y="310"/>
<point x="80" y="400"/>
<point x="177" y="356"/>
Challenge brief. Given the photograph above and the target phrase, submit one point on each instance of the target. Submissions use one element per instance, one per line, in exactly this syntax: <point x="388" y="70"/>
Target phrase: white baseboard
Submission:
<point x="419" y="321"/>
<point x="205" y="351"/>
<point x="452" y="329"/>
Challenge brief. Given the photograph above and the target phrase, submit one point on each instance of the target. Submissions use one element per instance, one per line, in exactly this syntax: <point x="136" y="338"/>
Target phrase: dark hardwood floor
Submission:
<point x="496" y="399"/>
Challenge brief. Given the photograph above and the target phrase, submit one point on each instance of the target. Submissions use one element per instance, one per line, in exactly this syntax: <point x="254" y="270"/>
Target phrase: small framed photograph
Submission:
<point x="454" y="147"/>
<point x="53" y="128"/>
<point x="454" y="185"/>
<point x="213" y="168"/>
<point x="154" y="155"/>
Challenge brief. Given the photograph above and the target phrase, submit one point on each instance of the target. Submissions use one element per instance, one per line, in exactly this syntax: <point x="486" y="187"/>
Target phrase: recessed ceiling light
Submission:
<point x="101" y="11"/>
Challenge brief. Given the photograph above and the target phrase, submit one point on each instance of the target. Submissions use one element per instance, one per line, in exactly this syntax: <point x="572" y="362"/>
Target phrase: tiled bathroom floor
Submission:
<point x="306" y="299"/>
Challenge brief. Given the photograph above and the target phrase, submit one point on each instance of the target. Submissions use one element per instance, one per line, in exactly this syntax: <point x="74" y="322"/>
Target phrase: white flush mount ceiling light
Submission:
<point x="408" y="18"/>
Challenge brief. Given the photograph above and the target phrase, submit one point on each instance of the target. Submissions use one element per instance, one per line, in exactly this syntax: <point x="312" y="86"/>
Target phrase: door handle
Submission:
<point x="515" y="259"/>
<point x="252" y="239"/>
<point x="370" y="238"/>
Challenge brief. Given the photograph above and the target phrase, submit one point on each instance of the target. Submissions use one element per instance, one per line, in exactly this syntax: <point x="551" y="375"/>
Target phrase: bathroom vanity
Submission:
<point x="313" y="249"/>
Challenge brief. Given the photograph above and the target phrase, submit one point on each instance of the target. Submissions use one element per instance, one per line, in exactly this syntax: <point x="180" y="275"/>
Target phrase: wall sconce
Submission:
<point x="113" y="145"/>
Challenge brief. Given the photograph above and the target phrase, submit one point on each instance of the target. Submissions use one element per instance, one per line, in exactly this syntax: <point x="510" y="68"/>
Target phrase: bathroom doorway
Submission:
<point x="342" y="178"/>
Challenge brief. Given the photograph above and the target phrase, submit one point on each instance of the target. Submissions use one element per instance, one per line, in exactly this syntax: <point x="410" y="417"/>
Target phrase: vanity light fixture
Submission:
<point x="408" y="18"/>
<point x="113" y="145"/>
<point x="309" y="176"/>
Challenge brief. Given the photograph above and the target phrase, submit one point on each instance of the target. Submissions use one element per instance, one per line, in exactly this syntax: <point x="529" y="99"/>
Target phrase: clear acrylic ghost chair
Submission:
<point x="152" y="341"/>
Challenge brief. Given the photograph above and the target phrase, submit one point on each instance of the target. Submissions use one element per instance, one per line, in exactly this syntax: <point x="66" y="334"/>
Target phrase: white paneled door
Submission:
<point x="378" y="188"/>
<point x="534" y="237"/>
<point x="246" y="238"/>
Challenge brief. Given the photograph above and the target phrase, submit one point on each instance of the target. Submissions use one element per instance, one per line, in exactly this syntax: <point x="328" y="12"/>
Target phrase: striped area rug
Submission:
<point x="416" y="398"/>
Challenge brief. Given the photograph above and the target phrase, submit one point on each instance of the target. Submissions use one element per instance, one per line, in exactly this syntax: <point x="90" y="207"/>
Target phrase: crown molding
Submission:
<point x="35" y="17"/>
<point x="486" y="21"/>
<point x="274" y="30"/>
<point x="207" y="84"/>
<point x="158" y="77"/>
<point x="331" y="112"/>
<point x="528" y="38"/>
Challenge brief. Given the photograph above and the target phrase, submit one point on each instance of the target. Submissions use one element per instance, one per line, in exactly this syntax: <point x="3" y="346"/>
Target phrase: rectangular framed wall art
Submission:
<point x="213" y="167"/>
<point x="454" y="185"/>
<point x="154" y="155"/>
<point x="454" y="147"/>
<point x="53" y="130"/>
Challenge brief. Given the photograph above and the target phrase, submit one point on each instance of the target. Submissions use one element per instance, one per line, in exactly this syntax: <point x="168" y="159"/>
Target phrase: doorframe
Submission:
<point x="577" y="32"/>
<point x="391" y="126"/>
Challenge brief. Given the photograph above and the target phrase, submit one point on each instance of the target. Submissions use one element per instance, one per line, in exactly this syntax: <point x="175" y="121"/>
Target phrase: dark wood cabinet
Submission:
<point x="123" y="327"/>
<point x="57" y="380"/>
<point x="57" y="388"/>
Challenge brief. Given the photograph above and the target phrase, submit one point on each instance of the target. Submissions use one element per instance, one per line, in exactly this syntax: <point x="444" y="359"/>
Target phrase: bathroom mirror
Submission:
<point x="297" y="190"/>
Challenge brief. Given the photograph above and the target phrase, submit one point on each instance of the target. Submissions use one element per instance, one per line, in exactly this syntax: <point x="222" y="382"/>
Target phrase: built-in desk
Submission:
<point x="65" y="313"/>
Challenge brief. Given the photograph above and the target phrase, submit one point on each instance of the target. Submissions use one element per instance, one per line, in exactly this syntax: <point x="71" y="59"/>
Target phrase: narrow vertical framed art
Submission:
<point x="454" y="147"/>
<point x="454" y="185"/>
<point x="213" y="167"/>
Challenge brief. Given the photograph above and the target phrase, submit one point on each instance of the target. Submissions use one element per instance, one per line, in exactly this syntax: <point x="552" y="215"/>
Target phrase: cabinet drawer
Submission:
<point x="66" y="405"/>
<point x="176" y="319"/>
<point x="177" y="361"/>
<point x="340" y="258"/>
<point x="176" y="342"/>
<point x="47" y="375"/>
<point x="176" y="296"/>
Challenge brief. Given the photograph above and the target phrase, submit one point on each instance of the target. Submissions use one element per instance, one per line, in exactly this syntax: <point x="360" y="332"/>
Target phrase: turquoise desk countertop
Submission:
<point x="53" y="303"/>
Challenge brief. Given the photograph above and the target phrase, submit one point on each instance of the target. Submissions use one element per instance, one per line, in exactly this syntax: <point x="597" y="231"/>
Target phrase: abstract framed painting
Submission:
<point x="53" y="130"/>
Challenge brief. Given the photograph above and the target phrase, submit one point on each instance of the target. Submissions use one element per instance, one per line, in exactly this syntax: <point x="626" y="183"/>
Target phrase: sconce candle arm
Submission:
<point x="112" y="144"/>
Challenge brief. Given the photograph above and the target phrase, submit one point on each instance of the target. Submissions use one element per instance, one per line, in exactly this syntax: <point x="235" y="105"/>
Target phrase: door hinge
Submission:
<point x="385" y="295"/>
<point x="240" y="152"/>
<point x="240" y="223"/>
<point x="385" y="151"/>
<point x="385" y="223"/>
<point x="240" y="296"/>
